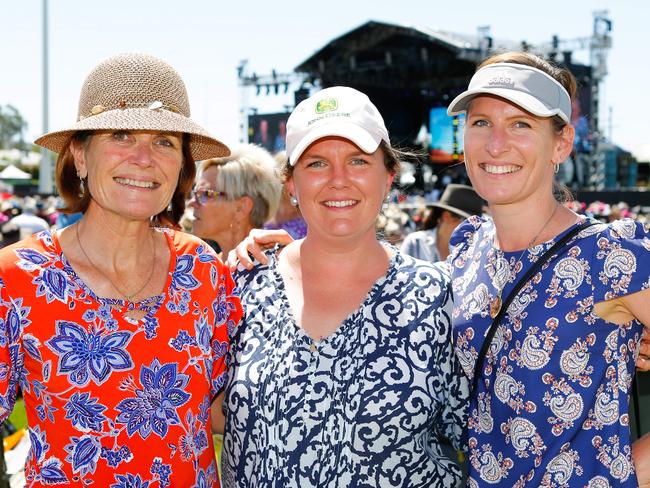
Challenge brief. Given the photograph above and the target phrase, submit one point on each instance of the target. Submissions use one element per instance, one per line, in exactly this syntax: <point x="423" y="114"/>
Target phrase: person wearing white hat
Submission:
<point x="549" y="306"/>
<point x="343" y="371"/>
<point x="115" y="328"/>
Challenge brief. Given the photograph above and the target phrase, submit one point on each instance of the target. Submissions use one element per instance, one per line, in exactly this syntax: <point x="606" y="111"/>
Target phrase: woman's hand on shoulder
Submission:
<point x="643" y="361"/>
<point x="253" y="246"/>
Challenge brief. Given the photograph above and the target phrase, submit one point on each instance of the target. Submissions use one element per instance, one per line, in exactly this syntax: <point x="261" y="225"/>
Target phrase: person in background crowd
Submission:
<point x="65" y="219"/>
<point x="115" y="328"/>
<point x="343" y="372"/>
<point x="287" y="216"/>
<point x="431" y="243"/>
<point x="233" y="195"/>
<point x="10" y="234"/>
<point x="28" y="222"/>
<point x="551" y="399"/>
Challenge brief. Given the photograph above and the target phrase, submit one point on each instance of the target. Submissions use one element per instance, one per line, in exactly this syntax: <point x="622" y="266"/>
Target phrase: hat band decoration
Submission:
<point x="155" y="105"/>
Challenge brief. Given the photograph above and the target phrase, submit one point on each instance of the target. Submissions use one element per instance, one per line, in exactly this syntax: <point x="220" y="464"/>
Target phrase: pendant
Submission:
<point x="495" y="307"/>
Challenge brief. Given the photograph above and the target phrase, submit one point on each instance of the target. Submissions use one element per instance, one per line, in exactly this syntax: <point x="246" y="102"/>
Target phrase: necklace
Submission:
<point x="495" y="304"/>
<point x="128" y="298"/>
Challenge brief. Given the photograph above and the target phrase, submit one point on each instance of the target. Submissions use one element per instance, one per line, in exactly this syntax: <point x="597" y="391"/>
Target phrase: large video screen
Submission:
<point x="446" y="135"/>
<point x="268" y="130"/>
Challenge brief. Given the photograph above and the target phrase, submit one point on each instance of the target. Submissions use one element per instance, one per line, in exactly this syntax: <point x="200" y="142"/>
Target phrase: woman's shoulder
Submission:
<point x="620" y="234"/>
<point x="420" y="278"/>
<point x="36" y="248"/>
<point x="628" y="230"/>
<point x="468" y="231"/>
<point x="185" y="243"/>
<point x="181" y="239"/>
<point x="617" y="255"/>
<point x="243" y="276"/>
<point x="406" y="263"/>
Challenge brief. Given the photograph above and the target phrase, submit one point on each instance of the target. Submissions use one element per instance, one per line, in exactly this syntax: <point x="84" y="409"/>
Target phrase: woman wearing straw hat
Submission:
<point x="342" y="372"/>
<point x="115" y="328"/>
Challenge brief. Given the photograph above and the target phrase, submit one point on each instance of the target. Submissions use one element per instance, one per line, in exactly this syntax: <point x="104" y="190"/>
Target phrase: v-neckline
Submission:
<point x="149" y="305"/>
<point x="349" y="319"/>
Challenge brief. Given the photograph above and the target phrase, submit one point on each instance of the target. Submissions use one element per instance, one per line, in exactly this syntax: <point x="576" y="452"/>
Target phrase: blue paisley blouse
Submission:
<point x="551" y="407"/>
<point x="114" y="401"/>
<point x="363" y="407"/>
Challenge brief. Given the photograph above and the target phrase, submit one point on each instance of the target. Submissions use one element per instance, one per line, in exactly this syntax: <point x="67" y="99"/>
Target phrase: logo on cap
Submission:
<point x="326" y="105"/>
<point x="502" y="80"/>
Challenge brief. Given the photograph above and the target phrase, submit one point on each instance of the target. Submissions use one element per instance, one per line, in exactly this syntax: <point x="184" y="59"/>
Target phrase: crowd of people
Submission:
<point x="403" y="215"/>
<point x="363" y="339"/>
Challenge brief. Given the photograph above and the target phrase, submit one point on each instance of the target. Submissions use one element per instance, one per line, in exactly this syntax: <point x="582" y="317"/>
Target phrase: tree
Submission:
<point x="12" y="126"/>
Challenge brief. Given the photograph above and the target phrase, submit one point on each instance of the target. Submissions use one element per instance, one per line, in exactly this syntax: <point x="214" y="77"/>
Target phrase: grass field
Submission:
<point x="18" y="417"/>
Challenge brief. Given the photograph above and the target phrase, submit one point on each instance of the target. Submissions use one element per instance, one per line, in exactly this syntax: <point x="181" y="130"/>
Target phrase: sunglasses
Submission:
<point x="202" y="196"/>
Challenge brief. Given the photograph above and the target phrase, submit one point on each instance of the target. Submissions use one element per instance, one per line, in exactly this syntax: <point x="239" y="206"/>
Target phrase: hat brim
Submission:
<point x="202" y="145"/>
<point x="519" y="98"/>
<point x="352" y="132"/>
<point x="455" y="210"/>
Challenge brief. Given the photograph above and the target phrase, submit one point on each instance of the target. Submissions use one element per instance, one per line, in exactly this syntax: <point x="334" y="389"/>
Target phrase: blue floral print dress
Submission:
<point x="363" y="407"/>
<point x="551" y="406"/>
<point x="114" y="401"/>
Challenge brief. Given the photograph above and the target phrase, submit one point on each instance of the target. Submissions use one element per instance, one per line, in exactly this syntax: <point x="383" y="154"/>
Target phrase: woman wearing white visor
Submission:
<point x="551" y="367"/>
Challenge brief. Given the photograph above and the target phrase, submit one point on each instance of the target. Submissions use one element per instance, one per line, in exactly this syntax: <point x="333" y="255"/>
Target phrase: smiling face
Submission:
<point x="340" y="189"/>
<point x="510" y="153"/>
<point x="132" y="174"/>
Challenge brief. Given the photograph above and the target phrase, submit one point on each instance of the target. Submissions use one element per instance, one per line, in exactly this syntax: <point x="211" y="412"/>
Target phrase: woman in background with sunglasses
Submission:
<point x="233" y="195"/>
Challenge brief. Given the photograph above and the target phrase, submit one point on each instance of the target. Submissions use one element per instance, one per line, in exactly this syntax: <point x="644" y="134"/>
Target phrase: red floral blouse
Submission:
<point x="114" y="401"/>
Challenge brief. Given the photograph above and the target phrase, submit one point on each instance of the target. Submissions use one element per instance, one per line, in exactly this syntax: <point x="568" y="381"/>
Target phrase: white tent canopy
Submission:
<point x="11" y="172"/>
<point x="642" y="153"/>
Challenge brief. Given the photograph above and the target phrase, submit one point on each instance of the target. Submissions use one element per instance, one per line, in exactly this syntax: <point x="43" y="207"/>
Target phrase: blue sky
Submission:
<point x="205" y="41"/>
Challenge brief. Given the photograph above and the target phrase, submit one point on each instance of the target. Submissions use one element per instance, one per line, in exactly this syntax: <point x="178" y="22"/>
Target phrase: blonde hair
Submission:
<point x="249" y="171"/>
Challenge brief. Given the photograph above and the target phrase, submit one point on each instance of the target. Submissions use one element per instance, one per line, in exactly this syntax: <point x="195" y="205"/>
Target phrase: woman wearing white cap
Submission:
<point x="343" y="372"/>
<point x="552" y="371"/>
<point x="115" y="328"/>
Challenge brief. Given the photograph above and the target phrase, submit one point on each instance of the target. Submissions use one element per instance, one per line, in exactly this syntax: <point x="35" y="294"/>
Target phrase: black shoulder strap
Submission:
<point x="478" y="367"/>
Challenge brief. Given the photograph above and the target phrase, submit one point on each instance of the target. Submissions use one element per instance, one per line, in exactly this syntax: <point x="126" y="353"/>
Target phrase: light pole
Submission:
<point x="45" y="173"/>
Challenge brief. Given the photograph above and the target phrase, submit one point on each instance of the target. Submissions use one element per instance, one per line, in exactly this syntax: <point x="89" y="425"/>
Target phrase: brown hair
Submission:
<point x="68" y="183"/>
<point x="561" y="75"/>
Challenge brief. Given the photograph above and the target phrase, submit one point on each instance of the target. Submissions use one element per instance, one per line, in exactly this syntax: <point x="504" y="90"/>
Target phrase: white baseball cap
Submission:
<point x="337" y="111"/>
<point x="530" y="88"/>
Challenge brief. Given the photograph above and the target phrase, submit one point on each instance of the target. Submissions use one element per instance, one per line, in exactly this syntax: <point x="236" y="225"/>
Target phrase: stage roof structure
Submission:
<point x="404" y="69"/>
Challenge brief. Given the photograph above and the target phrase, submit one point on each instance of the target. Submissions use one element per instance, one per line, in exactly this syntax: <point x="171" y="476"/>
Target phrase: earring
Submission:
<point x="82" y="188"/>
<point x="556" y="168"/>
<point x="293" y="200"/>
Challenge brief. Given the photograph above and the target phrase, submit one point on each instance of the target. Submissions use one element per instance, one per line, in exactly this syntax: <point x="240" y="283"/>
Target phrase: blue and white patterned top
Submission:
<point x="552" y="404"/>
<point x="361" y="408"/>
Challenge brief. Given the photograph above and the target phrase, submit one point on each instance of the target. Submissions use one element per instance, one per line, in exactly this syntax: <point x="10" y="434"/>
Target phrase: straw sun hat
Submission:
<point x="136" y="92"/>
